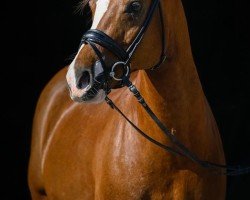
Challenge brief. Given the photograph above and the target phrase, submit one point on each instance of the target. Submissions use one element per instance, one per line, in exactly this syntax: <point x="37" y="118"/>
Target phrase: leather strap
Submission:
<point x="181" y="150"/>
<point x="131" y="49"/>
<point x="99" y="37"/>
<point x="163" y="56"/>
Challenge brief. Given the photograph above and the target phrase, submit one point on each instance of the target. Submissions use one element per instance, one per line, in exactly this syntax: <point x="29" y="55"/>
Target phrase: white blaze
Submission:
<point x="101" y="8"/>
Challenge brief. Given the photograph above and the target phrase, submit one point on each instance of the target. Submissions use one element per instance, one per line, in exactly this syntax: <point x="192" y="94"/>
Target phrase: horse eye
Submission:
<point x="134" y="6"/>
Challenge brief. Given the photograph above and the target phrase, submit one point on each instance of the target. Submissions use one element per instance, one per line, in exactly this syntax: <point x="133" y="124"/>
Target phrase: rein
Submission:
<point x="93" y="37"/>
<point x="181" y="149"/>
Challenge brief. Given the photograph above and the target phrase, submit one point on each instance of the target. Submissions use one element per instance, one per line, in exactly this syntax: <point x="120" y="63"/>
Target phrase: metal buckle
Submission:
<point x="125" y="67"/>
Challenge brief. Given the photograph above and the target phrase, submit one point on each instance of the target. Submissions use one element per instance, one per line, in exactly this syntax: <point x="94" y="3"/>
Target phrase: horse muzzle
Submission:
<point x="86" y="84"/>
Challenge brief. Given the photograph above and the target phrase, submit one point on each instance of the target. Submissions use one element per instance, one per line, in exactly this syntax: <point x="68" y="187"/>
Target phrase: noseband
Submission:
<point x="95" y="37"/>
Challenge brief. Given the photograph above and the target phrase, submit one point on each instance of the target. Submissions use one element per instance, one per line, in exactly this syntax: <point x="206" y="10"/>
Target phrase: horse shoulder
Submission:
<point x="47" y="111"/>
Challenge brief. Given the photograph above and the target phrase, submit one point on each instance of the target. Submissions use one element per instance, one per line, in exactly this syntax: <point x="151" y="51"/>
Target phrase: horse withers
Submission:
<point x="83" y="149"/>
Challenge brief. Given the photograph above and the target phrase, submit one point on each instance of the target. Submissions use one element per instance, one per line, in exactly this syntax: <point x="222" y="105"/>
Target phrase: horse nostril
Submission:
<point x="84" y="80"/>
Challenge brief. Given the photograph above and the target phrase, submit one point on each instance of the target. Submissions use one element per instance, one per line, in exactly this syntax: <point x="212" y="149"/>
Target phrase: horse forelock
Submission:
<point x="79" y="8"/>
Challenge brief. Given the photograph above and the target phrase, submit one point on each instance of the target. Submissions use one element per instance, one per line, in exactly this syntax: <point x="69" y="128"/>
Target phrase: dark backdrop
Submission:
<point x="38" y="38"/>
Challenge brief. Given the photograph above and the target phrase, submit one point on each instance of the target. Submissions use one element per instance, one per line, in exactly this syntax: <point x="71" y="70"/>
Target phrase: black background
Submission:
<point x="38" y="38"/>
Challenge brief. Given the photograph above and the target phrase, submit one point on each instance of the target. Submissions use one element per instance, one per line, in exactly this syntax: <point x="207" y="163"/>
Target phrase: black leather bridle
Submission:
<point x="95" y="37"/>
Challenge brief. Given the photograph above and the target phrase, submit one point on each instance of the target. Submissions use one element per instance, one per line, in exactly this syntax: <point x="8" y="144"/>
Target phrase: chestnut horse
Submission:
<point x="88" y="151"/>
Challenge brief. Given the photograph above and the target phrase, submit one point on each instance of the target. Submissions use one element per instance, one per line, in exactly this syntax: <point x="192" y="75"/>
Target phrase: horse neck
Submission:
<point x="177" y="80"/>
<point x="178" y="84"/>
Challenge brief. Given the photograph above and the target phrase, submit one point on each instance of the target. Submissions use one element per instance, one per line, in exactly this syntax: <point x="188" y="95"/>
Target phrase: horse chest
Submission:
<point x="106" y="158"/>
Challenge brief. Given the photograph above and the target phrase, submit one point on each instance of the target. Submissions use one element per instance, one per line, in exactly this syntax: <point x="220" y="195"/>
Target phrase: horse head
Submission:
<point x="111" y="47"/>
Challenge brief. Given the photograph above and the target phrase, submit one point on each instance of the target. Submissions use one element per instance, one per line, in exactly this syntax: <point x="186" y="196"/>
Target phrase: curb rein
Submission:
<point x="93" y="37"/>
